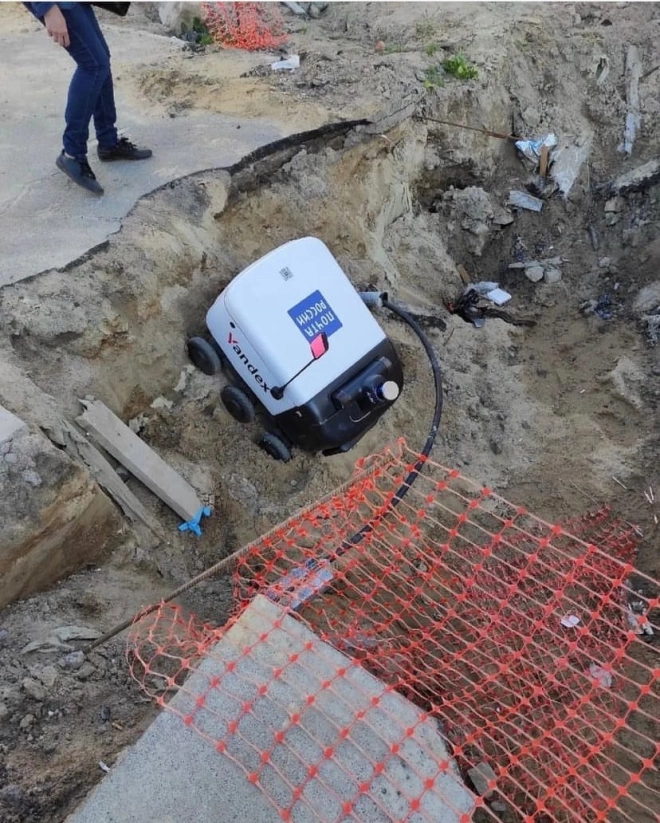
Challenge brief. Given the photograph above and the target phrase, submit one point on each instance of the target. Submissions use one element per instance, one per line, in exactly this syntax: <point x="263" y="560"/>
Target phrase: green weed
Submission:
<point x="425" y="29"/>
<point x="431" y="49"/>
<point x="459" y="67"/>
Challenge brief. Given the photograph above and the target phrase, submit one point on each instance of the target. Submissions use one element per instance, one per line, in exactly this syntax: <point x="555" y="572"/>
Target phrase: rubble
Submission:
<point x="637" y="179"/>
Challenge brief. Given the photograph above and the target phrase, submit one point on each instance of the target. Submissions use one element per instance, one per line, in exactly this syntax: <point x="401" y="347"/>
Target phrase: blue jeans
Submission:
<point x="91" y="91"/>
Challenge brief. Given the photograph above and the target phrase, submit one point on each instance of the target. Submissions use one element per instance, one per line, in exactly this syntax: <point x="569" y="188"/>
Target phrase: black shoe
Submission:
<point x="124" y="150"/>
<point x="80" y="172"/>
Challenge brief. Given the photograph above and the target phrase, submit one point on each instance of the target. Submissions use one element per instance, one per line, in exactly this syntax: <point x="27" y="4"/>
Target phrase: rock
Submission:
<point x="27" y="721"/>
<point x="72" y="661"/>
<point x="638" y="179"/>
<point x="481" y="775"/>
<point x="85" y="671"/>
<point x="4" y="711"/>
<point x="534" y="273"/>
<point x="4" y="636"/>
<point x="626" y="379"/>
<point x="12" y="794"/>
<point x="604" y="263"/>
<point x="51" y="521"/>
<point x="162" y="403"/>
<point x="503" y="219"/>
<point x="611" y="219"/>
<point x="67" y="633"/>
<point x="496" y="447"/>
<point x="614" y="205"/>
<point x="177" y="15"/>
<point x="34" y="689"/>
<point x="47" y="675"/>
<point x="48" y="644"/>
<point x="31" y="477"/>
<point x="647" y="299"/>
<point x="552" y="275"/>
<point x="532" y="117"/>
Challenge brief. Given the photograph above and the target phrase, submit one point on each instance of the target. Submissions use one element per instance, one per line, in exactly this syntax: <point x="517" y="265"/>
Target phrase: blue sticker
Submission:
<point x="314" y="315"/>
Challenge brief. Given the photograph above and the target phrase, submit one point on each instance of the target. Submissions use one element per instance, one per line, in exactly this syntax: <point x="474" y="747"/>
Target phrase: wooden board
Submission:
<point x="139" y="458"/>
<point x="108" y="479"/>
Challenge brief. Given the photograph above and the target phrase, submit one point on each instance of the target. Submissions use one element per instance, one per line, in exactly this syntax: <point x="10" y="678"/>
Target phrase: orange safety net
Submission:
<point x="528" y="644"/>
<point x="250" y="26"/>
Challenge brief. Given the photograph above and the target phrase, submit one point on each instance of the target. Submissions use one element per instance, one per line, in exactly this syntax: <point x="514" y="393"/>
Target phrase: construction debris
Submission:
<point x="634" y="116"/>
<point x="126" y="447"/>
<point x="639" y="179"/>
<point x="522" y="200"/>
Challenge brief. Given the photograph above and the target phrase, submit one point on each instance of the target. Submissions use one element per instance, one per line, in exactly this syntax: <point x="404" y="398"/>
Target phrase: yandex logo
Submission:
<point x="250" y="367"/>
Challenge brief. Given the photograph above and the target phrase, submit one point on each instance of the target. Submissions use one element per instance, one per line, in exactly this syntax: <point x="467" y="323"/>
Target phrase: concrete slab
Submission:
<point x="46" y="221"/>
<point x="174" y="773"/>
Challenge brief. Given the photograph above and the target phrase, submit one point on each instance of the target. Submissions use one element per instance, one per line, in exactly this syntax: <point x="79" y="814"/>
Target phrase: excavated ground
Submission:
<point x="547" y="406"/>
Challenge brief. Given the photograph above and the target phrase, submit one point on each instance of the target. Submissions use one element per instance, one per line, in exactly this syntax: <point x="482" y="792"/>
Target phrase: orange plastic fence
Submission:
<point x="250" y="26"/>
<point x="530" y="645"/>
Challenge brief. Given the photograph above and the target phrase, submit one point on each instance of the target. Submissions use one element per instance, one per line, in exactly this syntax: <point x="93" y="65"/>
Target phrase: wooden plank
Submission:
<point x="141" y="460"/>
<point x="465" y="277"/>
<point x="543" y="167"/>
<point x="108" y="479"/>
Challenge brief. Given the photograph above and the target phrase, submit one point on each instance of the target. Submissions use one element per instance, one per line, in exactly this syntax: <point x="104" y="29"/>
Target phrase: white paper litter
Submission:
<point x="602" y="676"/>
<point x="289" y="64"/>
<point x="498" y="296"/>
<point x="570" y="621"/>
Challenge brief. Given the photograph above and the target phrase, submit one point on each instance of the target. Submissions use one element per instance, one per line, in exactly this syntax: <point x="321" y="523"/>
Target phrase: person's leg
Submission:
<point x="105" y="113"/>
<point x="92" y="71"/>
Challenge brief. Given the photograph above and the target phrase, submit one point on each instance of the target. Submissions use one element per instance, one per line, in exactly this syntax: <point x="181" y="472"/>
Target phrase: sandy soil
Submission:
<point x="548" y="414"/>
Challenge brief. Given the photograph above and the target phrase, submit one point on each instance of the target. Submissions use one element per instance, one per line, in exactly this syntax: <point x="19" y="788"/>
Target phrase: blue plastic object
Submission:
<point x="193" y="525"/>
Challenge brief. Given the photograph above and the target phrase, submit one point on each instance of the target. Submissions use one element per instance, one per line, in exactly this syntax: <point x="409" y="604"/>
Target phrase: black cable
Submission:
<point x="404" y="488"/>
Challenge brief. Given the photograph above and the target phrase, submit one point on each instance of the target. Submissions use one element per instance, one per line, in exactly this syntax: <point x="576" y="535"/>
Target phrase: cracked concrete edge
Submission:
<point x="363" y="128"/>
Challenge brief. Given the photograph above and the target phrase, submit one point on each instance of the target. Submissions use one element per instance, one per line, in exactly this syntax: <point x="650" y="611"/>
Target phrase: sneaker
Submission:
<point x="79" y="171"/>
<point x="124" y="150"/>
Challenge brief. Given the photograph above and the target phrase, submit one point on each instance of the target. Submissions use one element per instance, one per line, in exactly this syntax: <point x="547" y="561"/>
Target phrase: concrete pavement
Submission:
<point x="46" y="221"/>
<point x="173" y="774"/>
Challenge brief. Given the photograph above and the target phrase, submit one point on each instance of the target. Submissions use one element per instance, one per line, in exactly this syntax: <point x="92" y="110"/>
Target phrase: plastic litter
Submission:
<point x="522" y="200"/>
<point x="288" y="64"/>
<point x="570" y="621"/>
<point x="491" y="291"/>
<point x="602" y="676"/>
<point x="531" y="149"/>
<point x="193" y="525"/>
<point x="498" y="296"/>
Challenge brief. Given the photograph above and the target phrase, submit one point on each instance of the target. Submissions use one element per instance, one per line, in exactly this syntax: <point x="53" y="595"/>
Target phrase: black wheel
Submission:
<point x="275" y="447"/>
<point x="203" y="355"/>
<point x="238" y="404"/>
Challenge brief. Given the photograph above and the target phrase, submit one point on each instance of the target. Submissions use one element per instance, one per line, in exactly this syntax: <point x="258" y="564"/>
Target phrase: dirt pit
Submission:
<point x="547" y="406"/>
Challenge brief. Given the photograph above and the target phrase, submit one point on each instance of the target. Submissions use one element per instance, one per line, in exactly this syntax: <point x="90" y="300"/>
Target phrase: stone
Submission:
<point x="534" y="273"/>
<point x="85" y="671"/>
<point x="611" y="219"/>
<point x="614" y="205"/>
<point x="4" y="711"/>
<point x="31" y="477"/>
<point x="604" y="263"/>
<point x="647" y="299"/>
<point x="552" y="275"/>
<point x="13" y="795"/>
<point x="47" y="675"/>
<point x="481" y="775"/>
<point x="638" y="179"/>
<point x="4" y="636"/>
<point x="532" y="117"/>
<point x="68" y="633"/>
<point x="72" y="661"/>
<point x="34" y="689"/>
<point x="177" y="15"/>
<point x="26" y="721"/>
<point x="503" y="219"/>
